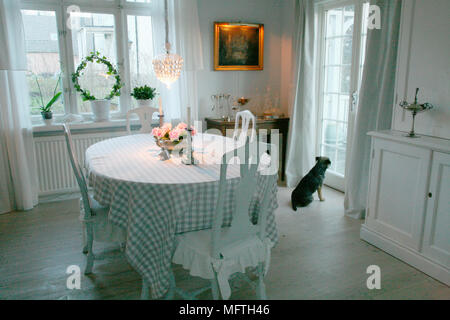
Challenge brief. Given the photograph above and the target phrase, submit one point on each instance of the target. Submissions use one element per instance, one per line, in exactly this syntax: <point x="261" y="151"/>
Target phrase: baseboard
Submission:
<point x="407" y="255"/>
<point x="60" y="196"/>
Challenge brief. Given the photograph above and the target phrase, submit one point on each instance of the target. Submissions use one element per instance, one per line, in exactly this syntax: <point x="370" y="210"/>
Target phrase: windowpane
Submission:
<point x="140" y="51"/>
<point x="332" y="79"/>
<point x="343" y="107"/>
<point x="334" y="22"/>
<point x="341" y="139"/>
<point x="345" y="79"/>
<point x="340" y="162"/>
<point x="329" y="136"/>
<point x="333" y="47"/>
<point x="94" y="32"/>
<point x="347" y="50"/>
<point x="330" y="105"/>
<point x="43" y="62"/>
<point x="330" y="152"/>
<point x="349" y="14"/>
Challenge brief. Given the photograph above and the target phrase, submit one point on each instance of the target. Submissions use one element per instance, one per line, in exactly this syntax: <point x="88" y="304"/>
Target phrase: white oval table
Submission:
<point x="154" y="200"/>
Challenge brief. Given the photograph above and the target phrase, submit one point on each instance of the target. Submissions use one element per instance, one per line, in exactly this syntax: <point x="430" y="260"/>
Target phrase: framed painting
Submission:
<point x="238" y="46"/>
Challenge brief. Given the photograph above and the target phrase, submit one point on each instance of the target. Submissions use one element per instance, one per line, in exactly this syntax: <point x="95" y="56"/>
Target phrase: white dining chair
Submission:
<point x="240" y="135"/>
<point x="217" y="253"/>
<point x="93" y="216"/>
<point x="145" y="115"/>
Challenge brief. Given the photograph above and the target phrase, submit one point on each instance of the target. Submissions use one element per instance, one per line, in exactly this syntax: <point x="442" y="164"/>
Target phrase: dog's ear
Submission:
<point x="317" y="158"/>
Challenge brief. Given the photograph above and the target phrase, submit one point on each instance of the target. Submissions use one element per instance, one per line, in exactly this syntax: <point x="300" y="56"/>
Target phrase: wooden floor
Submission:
<point x="319" y="256"/>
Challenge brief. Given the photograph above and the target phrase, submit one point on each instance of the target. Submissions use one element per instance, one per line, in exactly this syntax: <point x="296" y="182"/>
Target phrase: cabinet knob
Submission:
<point x="430" y="194"/>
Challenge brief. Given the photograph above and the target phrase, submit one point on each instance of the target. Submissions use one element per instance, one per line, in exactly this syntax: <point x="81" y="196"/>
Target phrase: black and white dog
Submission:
<point x="312" y="182"/>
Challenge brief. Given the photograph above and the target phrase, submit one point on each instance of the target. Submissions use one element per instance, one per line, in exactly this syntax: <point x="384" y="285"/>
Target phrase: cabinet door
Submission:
<point x="436" y="241"/>
<point x="398" y="191"/>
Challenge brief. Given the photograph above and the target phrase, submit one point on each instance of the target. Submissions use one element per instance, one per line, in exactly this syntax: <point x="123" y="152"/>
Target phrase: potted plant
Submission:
<point x="100" y="107"/>
<point x="46" y="112"/>
<point x="144" y="95"/>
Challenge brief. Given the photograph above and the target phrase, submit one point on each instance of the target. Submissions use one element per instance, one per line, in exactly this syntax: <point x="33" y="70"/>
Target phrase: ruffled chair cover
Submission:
<point x="194" y="254"/>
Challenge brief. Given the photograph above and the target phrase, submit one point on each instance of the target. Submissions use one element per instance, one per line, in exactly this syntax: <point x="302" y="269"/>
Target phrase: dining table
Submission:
<point x="154" y="200"/>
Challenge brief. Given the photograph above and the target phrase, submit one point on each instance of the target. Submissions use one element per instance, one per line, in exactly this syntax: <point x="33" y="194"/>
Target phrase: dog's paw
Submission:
<point x="323" y="199"/>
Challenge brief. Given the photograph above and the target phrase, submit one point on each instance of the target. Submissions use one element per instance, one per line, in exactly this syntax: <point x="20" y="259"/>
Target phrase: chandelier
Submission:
<point x="167" y="66"/>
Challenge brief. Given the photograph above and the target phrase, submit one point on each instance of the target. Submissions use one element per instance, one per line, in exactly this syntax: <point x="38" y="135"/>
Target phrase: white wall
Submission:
<point x="424" y="62"/>
<point x="240" y="83"/>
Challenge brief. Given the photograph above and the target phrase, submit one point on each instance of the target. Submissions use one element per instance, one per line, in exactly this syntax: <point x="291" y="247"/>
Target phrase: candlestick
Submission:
<point x="189" y="117"/>
<point x="160" y="106"/>
<point x="189" y="160"/>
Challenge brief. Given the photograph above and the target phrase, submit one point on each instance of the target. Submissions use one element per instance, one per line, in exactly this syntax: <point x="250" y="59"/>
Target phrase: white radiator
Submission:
<point x="53" y="165"/>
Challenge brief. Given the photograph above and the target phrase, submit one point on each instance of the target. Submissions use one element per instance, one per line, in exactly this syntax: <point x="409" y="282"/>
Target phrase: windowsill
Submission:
<point x="86" y="127"/>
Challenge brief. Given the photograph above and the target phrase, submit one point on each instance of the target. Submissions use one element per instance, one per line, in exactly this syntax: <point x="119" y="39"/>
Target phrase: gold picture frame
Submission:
<point x="238" y="46"/>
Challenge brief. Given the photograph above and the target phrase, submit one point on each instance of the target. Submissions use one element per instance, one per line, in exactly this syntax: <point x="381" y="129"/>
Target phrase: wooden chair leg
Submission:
<point x="145" y="290"/>
<point x="90" y="254"/>
<point x="83" y="230"/>
<point x="261" y="287"/>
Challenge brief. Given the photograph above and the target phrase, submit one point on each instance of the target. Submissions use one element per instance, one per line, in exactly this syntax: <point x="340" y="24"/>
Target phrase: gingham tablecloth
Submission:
<point x="154" y="200"/>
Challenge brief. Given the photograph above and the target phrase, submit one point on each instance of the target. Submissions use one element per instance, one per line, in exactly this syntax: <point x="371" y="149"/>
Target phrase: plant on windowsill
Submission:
<point x="100" y="107"/>
<point x="144" y="95"/>
<point x="46" y="112"/>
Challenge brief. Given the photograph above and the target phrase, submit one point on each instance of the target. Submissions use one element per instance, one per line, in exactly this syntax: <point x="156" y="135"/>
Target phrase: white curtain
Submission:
<point x="17" y="163"/>
<point x="302" y="137"/>
<point x="189" y="42"/>
<point x="185" y="40"/>
<point x="375" y="103"/>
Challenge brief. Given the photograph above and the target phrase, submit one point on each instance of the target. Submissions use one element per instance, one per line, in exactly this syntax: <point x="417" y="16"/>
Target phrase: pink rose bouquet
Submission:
<point x="175" y="135"/>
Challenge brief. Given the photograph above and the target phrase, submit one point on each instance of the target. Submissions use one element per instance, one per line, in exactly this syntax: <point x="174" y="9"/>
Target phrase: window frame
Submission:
<point x="120" y="9"/>
<point x="335" y="179"/>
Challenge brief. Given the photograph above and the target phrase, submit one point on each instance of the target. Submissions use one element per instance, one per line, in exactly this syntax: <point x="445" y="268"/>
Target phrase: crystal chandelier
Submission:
<point x="167" y="66"/>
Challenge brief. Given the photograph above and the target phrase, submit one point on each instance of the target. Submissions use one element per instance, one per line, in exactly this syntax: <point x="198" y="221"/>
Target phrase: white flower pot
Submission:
<point x="100" y="109"/>
<point x="144" y="103"/>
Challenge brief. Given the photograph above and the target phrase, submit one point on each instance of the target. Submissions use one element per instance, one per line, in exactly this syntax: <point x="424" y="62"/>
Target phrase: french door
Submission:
<point x="342" y="38"/>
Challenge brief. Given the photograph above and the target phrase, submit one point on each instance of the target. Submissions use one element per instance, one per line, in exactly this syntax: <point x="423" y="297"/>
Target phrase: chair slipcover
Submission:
<point x="194" y="254"/>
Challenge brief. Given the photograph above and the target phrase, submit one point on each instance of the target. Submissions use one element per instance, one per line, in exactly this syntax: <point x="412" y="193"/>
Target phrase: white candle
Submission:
<point x="188" y="117"/>
<point x="160" y="106"/>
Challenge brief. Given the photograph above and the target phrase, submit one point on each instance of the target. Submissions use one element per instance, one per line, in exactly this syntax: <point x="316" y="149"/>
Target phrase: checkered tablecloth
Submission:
<point x="154" y="200"/>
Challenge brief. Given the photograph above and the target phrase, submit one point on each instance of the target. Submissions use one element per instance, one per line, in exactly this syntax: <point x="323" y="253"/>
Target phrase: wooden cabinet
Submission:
<point x="282" y="125"/>
<point x="408" y="211"/>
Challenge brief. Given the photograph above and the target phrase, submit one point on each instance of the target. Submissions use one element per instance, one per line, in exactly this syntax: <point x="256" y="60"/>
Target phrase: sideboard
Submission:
<point x="282" y="124"/>
<point x="408" y="206"/>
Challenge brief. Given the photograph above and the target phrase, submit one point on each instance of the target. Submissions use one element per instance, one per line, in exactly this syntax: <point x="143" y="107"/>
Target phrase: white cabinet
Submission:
<point x="408" y="206"/>
<point x="397" y="198"/>
<point x="436" y="239"/>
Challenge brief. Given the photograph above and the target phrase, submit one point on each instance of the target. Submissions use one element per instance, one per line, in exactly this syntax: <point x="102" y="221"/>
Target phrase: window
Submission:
<point x="121" y="30"/>
<point x="43" y="60"/>
<point x="343" y="35"/>
<point x="140" y="51"/>
<point x="94" y="32"/>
